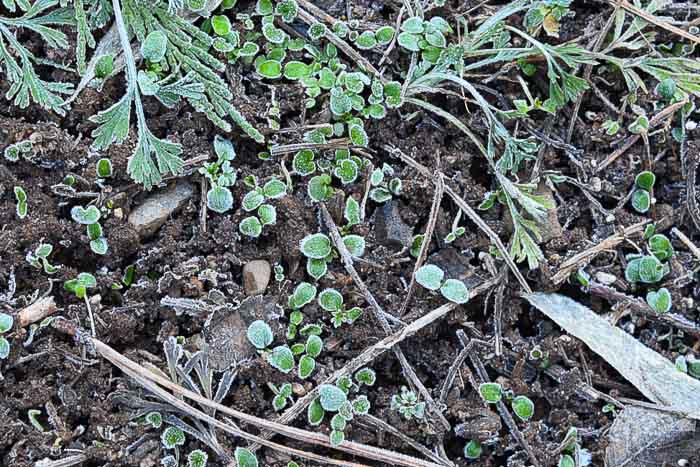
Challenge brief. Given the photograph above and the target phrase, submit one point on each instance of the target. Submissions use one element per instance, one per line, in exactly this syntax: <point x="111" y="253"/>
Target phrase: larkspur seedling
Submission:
<point x="646" y="269"/>
<point x="432" y="278"/>
<point x="523" y="407"/>
<point x="283" y="395"/>
<point x="155" y="419"/>
<point x="258" y="200"/>
<point x="197" y="458"/>
<point x="89" y="217"/>
<point x="221" y="176"/>
<point x="81" y="284"/>
<point x="40" y="258"/>
<point x="426" y="37"/>
<point x="13" y="152"/>
<point x="611" y="127"/>
<point x="319" y="251"/>
<point x="455" y="234"/>
<point x="661" y="247"/>
<point x="172" y="437"/>
<point x="384" y="187"/>
<point x="245" y="458"/>
<point x="407" y="404"/>
<point x="6" y="323"/>
<point x="303" y="294"/>
<point x="260" y="334"/>
<point x="332" y="301"/>
<point x="659" y="300"/>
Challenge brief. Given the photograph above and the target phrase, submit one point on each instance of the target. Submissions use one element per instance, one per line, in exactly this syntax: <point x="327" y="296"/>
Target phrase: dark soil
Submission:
<point x="75" y="391"/>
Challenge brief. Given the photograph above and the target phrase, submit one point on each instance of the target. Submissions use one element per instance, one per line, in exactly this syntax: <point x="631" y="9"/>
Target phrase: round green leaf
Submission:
<point x="219" y="199"/>
<point x="6" y="322"/>
<point x="221" y="25"/>
<point x="85" y="216"/>
<point x="316" y="246"/>
<point x="172" y="437"/>
<point x="307" y="364"/>
<point x="275" y="189"/>
<point x="260" y="334"/>
<point x="455" y="291"/>
<point x="523" y="407"/>
<point x="281" y="358"/>
<point x="472" y="450"/>
<point x="4" y="348"/>
<point x="303" y="294"/>
<point x="641" y="201"/>
<point x="330" y="300"/>
<point x="315" y="413"/>
<point x="645" y="180"/>
<point x="317" y="268"/>
<point x="331" y="397"/>
<point x="491" y="392"/>
<point x="251" y="227"/>
<point x="270" y="69"/>
<point x="154" y="46"/>
<point x="355" y="245"/>
<point x="245" y="458"/>
<point x="314" y="346"/>
<point x="430" y="276"/>
<point x="660" y="300"/>
<point x="267" y="214"/>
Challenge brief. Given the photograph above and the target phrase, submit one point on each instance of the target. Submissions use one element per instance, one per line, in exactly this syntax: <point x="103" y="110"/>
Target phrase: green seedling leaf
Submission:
<point x="307" y="365"/>
<point x="384" y="35"/>
<point x="99" y="246"/>
<point x="224" y="149"/>
<point x="661" y="247"/>
<point x="358" y="136"/>
<point x="640" y="125"/>
<point x="523" y="407"/>
<point x="317" y="31"/>
<point x="338" y="422"/>
<point x="260" y="334"/>
<point x="4" y="348"/>
<point x="430" y="276"/>
<point x="275" y="189"/>
<point x="331" y="397"/>
<point x="303" y="294"/>
<point x="314" y="346"/>
<point x="319" y="188"/>
<point x="252" y="200"/>
<point x="366" y="376"/>
<point x="154" y="46"/>
<point x="491" y="392"/>
<point x="6" y="322"/>
<point x="317" y="268"/>
<point x="472" y="450"/>
<point x="380" y="195"/>
<point x="337" y="437"/>
<point x="295" y="70"/>
<point x="219" y="199"/>
<point x="660" y="300"/>
<point x="352" y="211"/>
<point x="155" y="419"/>
<point x="251" y="227"/>
<point x="413" y="25"/>
<point x="172" y="437"/>
<point x="409" y="41"/>
<point x="641" y="201"/>
<point x="566" y="461"/>
<point x="367" y="40"/>
<point x="303" y="163"/>
<point x="455" y="291"/>
<point x="330" y="300"/>
<point x="104" y="66"/>
<point x="221" y="25"/>
<point x="267" y="214"/>
<point x="316" y="246"/>
<point x="361" y="405"/>
<point x="244" y="457"/>
<point x="645" y="180"/>
<point x="287" y="9"/>
<point x="315" y="413"/>
<point x="197" y="458"/>
<point x="85" y="216"/>
<point x="666" y="88"/>
<point x="104" y="168"/>
<point x="281" y="358"/>
<point x="270" y="69"/>
<point x="355" y="245"/>
<point x="346" y="171"/>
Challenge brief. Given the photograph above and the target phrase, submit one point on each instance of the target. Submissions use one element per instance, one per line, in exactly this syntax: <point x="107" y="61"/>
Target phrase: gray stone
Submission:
<point x="256" y="276"/>
<point x="157" y="208"/>
<point x="389" y="227"/>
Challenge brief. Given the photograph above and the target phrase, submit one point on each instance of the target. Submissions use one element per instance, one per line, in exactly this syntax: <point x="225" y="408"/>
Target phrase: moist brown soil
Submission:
<point x="54" y="375"/>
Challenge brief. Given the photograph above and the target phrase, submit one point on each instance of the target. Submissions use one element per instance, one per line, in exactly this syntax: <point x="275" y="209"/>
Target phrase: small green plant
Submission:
<point x="40" y="258"/>
<point x="426" y="37"/>
<point x="383" y="187"/>
<point x="22" y="207"/>
<point x="641" y="198"/>
<point x="221" y="176"/>
<point x="283" y="395"/>
<point x="197" y="458"/>
<point x="472" y="450"/>
<point x="455" y="234"/>
<point x="611" y="127"/>
<point x="172" y="437"/>
<point x="406" y="403"/>
<point x="319" y="251"/>
<point x="81" y="284"/>
<point x="491" y="392"/>
<point x="659" y="300"/>
<point x="645" y="268"/>
<point x="332" y="301"/>
<point x="245" y="458"/>
<point x="6" y="323"/>
<point x="334" y="399"/>
<point x="547" y="15"/>
<point x="258" y="199"/>
<point x="432" y="278"/>
<point x="14" y="151"/>
<point x="523" y="407"/>
<point x="90" y="217"/>
<point x="103" y="168"/>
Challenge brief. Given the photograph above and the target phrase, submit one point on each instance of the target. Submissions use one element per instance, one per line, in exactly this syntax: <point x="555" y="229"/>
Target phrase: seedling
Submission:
<point x="472" y="450"/>
<point x="172" y="437"/>
<point x="334" y="399"/>
<point x="155" y="419"/>
<point x="283" y="395"/>
<point x="455" y="234"/>
<point x="40" y="258"/>
<point x="331" y="300"/>
<point x="407" y="404"/>
<point x="523" y="407"/>
<point x="432" y="278"/>
<point x="659" y="300"/>
<point x="491" y="393"/>
<point x="14" y="151"/>
<point x="221" y="176"/>
<point x="546" y="15"/>
<point x="22" y="207"/>
<point x="245" y="458"/>
<point x="79" y="287"/>
<point x="197" y="458"/>
<point x="319" y="251"/>
<point x="427" y="37"/>
<point x="6" y="323"/>
<point x="258" y="199"/>
<point x="89" y="217"/>
<point x="645" y="268"/>
<point x="641" y="198"/>
<point x="383" y="187"/>
<point x="104" y="168"/>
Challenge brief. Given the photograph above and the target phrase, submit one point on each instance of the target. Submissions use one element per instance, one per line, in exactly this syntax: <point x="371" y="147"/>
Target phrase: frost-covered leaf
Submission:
<point x="430" y="276"/>
<point x="331" y="397"/>
<point x="316" y="246"/>
<point x="652" y="374"/>
<point x="307" y="364"/>
<point x="330" y="300"/>
<point x="85" y="216"/>
<point x="260" y="334"/>
<point x="154" y="46"/>
<point x="491" y="392"/>
<point x="523" y="407"/>
<point x="315" y="413"/>
<point x="455" y="291"/>
<point x="251" y="227"/>
<point x="355" y="245"/>
<point x="281" y="358"/>
<point x="219" y="199"/>
<point x="172" y="437"/>
<point x="245" y="458"/>
<point x="304" y="294"/>
<point x="6" y="322"/>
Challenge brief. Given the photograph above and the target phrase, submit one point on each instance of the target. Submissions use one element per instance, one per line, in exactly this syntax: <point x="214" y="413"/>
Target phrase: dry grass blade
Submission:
<point x="473" y="216"/>
<point x="379" y="314"/>
<point x="654" y="20"/>
<point x="153" y="382"/>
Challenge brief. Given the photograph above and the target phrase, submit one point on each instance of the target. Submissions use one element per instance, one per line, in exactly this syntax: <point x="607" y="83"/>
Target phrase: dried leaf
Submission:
<point x="652" y="374"/>
<point x="643" y="437"/>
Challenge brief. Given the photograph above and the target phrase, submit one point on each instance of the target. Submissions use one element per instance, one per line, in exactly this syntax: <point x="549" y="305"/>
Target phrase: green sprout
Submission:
<point x="406" y="403"/>
<point x="432" y="278"/>
<point x="6" y="323"/>
<point x="40" y="258"/>
<point x="383" y="187"/>
<point x="89" y="217"/>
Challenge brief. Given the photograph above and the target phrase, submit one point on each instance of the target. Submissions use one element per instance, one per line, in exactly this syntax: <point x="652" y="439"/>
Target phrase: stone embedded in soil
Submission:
<point x="389" y="227"/>
<point x="256" y="276"/>
<point x="225" y="336"/>
<point x="550" y="228"/>
<point x="157" y="208"/>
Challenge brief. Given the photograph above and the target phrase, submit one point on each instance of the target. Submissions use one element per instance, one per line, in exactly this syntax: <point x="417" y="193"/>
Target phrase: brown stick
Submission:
<point x="654" y="20"/>
<point x="379" y="314"/>
<point x="153" y="381"/>
<point x="37" y="311"/>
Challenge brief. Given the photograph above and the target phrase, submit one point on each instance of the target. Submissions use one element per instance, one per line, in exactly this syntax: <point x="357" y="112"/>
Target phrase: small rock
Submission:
<point x="550" y="228"/>
<point x="225" y="334"/>
<point x="298" y="389"/>
<point x="256" y="276"/>
<point x="455" y="264"/>
<point x="389" y="227"/>
<point x="157" y="208"/>
<point x="605" y="278"/>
